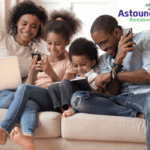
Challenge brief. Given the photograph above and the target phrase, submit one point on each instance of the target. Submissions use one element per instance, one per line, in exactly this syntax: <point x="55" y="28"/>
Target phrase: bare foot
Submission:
<point x="68" y="112"/>
<point x="3" y="137"/>
<point x="26" y="141"/>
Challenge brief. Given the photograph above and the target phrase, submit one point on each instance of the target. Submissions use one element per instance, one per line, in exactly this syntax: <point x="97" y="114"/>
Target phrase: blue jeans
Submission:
<point x="32" y="108"/>
<point x="19" y="105"/>
<point x="6" y="98"/>
<point x="128" y="105"/>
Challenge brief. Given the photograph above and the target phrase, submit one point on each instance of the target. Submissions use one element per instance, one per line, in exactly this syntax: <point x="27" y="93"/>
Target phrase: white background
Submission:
<point x="87" y="11"/>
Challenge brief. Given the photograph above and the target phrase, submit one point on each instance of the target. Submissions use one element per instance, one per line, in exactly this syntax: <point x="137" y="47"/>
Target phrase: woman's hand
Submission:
<point x="44" y="65"/>
<point x="123" y="47"/>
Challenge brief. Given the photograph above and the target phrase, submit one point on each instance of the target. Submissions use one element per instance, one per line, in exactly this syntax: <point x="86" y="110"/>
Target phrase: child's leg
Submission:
<point x="19" y="102"/>
<point x="68" y="112"/>
<point x="60" y="94"/>
<point x="11" y="117"/>
<point x="28" y="122"/>
<point x="29" y="118"/>
<point x="65" y="88"/>
<point x="26" y="141"/>
<point x="54" y="95"/>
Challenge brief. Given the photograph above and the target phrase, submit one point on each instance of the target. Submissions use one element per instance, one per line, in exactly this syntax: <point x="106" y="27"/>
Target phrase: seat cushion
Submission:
<point x="104" y="128"/>
<point x="49" y="124"/>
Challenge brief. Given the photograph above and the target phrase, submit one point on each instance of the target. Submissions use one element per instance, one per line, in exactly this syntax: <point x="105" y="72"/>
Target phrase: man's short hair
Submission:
<point x="106" y="23"/>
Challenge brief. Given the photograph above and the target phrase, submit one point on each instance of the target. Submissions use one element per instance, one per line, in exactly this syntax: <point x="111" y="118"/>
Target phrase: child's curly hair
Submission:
<point x="82" y="46"/>
<point x="23" y="8"/>
<point x="68" y="24"/>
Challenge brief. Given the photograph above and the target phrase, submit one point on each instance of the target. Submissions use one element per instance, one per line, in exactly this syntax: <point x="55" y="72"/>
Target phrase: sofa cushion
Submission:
<point x="49" y="124"/>
<point x="105" y="128"/>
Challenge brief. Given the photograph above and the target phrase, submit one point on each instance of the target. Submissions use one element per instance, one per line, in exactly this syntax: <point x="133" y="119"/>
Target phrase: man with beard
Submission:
<point x="124" y="72"/>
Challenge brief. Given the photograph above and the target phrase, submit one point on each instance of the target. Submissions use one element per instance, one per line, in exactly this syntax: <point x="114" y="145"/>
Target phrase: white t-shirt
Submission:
<point x="9" y="47"/>
<point x="91" y="74"/>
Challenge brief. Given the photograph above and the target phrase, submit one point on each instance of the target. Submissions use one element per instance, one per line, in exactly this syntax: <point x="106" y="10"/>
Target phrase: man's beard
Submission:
<point x="114" y="56"/>
<point x="116" y="50"/>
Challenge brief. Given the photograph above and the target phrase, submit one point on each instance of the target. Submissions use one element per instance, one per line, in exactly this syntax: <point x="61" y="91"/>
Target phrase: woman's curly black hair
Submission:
<point x="23" y="8"/>
<point x="68" y="26"/>
<point x="82" y="46"/>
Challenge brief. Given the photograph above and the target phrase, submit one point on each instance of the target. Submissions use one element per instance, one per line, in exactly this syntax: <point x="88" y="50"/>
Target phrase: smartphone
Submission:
<point x="39" y="57"/>
<point x="130" y="33"/>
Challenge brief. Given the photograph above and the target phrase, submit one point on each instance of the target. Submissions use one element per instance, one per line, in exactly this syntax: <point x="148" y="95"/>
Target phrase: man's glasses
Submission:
<point x="102" y="44"/>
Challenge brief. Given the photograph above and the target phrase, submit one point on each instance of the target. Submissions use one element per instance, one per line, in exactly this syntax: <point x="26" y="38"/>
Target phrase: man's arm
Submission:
<point x="141" y="76"/>
<point x="104" y="80"/>
<point x="138" y="76"/>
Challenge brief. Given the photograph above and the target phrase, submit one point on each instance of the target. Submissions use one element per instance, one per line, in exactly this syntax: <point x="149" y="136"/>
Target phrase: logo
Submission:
<point x="143" y="15"/>
<point x="148" y="5"/>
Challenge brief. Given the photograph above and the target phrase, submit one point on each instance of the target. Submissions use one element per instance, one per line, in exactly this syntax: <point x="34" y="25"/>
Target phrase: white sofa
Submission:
<point x="85" y="132"/>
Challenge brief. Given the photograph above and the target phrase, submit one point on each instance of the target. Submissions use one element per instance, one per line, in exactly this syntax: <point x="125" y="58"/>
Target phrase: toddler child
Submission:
<point x="84" y="58"/>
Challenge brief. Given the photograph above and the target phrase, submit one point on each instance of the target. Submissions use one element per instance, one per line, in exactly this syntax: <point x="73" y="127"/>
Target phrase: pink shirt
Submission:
<point x="60" y="68"/>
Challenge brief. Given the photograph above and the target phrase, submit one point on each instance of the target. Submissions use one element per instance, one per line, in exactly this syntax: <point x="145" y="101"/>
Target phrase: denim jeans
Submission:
<point x="32" y="108"/>
<point x="60" y="93"/>
<point x="6" y="98"/>
<point x="18" y="109"/>
<point x="128" y="105"/>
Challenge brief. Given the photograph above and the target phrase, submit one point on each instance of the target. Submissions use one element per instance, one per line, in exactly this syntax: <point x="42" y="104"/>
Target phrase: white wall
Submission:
<point x="86" y="10"/>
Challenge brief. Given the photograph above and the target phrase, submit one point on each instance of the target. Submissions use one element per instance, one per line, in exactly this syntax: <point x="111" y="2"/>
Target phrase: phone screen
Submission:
<point x="39" y="57"/>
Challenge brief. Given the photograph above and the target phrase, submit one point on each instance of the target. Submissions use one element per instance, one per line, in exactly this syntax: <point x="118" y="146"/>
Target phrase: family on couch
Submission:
<point x="121" y="89"/>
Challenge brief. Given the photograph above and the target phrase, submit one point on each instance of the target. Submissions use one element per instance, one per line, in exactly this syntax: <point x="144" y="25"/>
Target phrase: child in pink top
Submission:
<point x="60" y="68"/>
<point x="59" y="30"/>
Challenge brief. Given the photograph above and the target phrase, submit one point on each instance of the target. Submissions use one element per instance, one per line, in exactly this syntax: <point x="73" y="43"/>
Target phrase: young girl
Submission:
<point x="59" y="30"/>
<point x="84" y="58"/>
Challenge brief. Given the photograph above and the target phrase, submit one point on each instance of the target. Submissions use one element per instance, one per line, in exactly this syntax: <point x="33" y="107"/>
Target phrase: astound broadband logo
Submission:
<point x="137" y="16"/>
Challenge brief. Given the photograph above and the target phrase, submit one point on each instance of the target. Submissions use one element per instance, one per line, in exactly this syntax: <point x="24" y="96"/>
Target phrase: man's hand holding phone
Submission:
<point x="125" y="45"/>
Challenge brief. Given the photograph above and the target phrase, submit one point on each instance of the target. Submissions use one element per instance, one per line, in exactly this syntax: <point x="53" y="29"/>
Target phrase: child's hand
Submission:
<point x="45" y="65"/>
<point x="32" y="71"/>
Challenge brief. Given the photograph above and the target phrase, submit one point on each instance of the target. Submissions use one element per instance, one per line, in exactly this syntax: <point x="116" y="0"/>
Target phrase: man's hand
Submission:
<point x="101" y="80"/>
<point x="123" y="48"/>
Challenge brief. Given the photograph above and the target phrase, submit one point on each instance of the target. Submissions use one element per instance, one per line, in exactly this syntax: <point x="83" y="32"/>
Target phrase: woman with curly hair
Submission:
<point x="24" y="28"/>
<point x="56" y="67"/>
